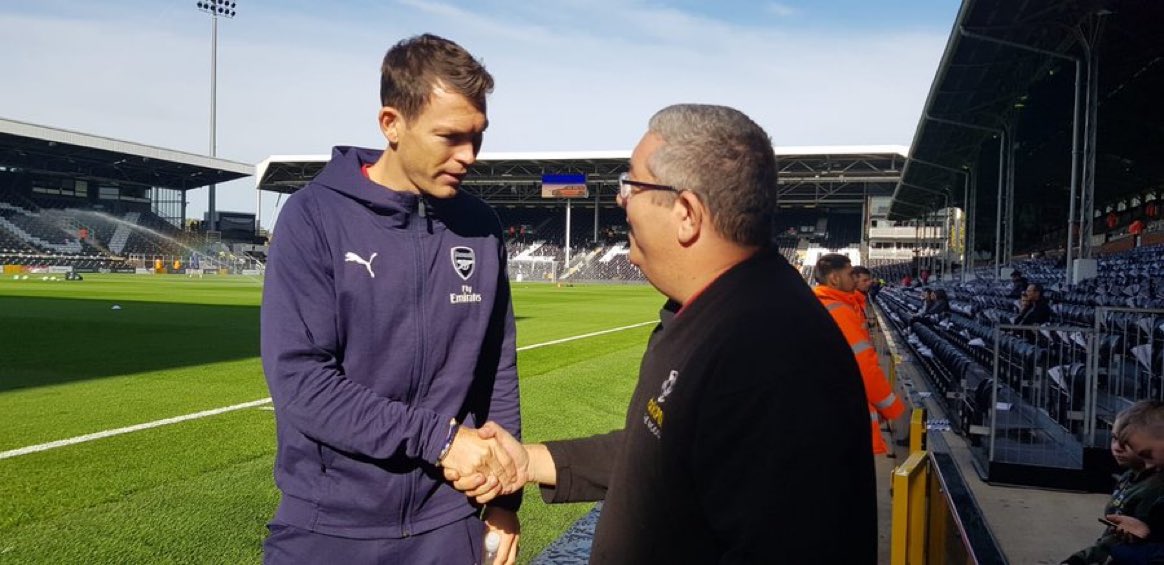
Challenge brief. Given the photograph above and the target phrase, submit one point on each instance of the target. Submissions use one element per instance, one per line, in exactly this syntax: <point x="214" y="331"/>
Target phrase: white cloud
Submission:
<point x="568" y="77"/>
<point x="780" y="10"/>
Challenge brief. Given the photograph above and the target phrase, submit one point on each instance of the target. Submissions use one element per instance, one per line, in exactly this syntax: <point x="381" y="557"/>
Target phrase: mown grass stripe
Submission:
<point x="216" y="411"/>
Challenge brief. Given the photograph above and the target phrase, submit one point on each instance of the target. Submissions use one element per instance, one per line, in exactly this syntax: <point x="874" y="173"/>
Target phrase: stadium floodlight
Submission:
<point x="216" y="9"/>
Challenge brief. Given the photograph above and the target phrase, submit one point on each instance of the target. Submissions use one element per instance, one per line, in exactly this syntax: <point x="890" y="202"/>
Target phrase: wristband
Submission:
<point x="448" y="441"/>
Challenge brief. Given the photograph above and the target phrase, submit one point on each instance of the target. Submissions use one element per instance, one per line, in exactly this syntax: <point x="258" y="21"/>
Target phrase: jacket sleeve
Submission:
<point x="1154" y="518"/>
<point x="877" y="389"/>
<point x="505" y="400"/>
<point x="301" y="355"/>
<point x="584" y="466"/>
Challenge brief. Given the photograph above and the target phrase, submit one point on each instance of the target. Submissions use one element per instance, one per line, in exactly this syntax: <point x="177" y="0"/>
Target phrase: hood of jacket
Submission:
<point x="344" y="174"/>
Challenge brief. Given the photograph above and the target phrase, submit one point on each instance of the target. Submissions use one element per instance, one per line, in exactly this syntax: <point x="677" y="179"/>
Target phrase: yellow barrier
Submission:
<point x="917" y="430"/>
<point x="908" y="534"/>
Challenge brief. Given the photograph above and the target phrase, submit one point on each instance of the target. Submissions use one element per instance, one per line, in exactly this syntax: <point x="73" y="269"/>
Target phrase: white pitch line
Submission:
<point x="127" y="429"/>
<point x="244" y="405"/>
<point x="583" y="336"/>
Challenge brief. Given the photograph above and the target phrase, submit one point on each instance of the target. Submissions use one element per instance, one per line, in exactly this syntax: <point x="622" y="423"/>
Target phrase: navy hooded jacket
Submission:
<point x="383" y="318"/>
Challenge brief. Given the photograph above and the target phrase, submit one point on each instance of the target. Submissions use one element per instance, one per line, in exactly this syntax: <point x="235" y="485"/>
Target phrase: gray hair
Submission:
<point x="721" y="155"/>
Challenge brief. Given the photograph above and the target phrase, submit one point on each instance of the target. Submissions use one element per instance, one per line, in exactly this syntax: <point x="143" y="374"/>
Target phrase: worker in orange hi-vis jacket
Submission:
<point x="836" y="290"/>
<point x="863" y="279"/>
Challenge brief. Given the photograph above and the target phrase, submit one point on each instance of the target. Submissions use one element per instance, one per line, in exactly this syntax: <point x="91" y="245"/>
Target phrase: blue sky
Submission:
<point x="298" y="76"/>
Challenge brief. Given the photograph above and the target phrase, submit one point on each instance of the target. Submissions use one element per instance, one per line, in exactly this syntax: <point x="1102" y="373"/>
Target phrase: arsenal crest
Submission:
<point x="463" y="261"/>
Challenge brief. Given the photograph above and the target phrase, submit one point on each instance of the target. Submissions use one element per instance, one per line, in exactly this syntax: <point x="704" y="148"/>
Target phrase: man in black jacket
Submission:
<point x="749" y="421"/>
<point x="1033" y="309"/>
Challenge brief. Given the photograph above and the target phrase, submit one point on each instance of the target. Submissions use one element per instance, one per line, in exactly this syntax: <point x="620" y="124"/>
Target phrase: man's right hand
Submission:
<point x="483" y="487"/>
<point x="475" y="456"/>
<point x="515" y="450"/>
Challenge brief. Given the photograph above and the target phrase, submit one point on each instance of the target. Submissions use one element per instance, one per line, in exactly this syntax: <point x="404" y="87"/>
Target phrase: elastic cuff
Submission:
<point x="438" y="432"/>
<point x="561" y="459"/>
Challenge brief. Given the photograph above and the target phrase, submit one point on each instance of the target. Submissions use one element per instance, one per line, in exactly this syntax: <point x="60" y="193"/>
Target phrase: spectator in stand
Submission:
<point x="1137" y="231"/>
<point x="935" y="303"/>
<point x="1018" y="284"/>
<point x="940" y="304"/>
<point x="907" y="281"/>
<point x="924" y="276"/>
<point x="1033" y="310"/>
<point x="1143" y="434"/>
<point x="927" y="300"/>
<point x="1138" y="493"/>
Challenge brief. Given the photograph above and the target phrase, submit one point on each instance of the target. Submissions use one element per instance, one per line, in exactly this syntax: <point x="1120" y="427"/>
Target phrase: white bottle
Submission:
<point x="492" y="544"/>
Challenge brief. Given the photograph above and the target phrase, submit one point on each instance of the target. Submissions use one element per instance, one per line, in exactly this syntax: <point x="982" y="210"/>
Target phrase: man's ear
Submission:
<point x="690" y="213"/>
<point x="391" y="122"/>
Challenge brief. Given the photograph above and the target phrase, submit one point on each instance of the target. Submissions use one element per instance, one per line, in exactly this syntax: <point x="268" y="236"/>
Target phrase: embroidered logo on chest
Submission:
<point x="350" y="257"/>
<point x="464" y="259"/>
<point x="654" y="417"/>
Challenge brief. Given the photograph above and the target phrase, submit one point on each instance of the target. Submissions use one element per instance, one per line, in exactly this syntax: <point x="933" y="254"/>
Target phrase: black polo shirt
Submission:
<point x="746" y="439"/>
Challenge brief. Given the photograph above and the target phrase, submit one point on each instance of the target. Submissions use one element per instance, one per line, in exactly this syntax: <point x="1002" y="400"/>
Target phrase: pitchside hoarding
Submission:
<point x="565" y="186"/>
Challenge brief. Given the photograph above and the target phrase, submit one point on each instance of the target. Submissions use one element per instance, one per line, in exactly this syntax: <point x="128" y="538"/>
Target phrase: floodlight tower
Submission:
<point x="216" y="9"/>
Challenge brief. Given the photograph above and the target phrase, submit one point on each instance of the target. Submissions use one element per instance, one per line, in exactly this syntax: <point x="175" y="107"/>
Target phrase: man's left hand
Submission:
<point x="505" y="523"/>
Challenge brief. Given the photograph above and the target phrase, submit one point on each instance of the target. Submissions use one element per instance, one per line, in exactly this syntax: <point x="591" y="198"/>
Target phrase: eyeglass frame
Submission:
<point x="626" y="187"/>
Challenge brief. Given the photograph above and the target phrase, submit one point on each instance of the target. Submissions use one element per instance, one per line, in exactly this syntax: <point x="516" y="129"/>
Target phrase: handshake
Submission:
<point x="485" y="463"/>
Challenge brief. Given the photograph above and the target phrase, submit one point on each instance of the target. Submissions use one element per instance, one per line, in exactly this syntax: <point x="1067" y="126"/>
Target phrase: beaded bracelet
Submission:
<point x="448" y="441"/>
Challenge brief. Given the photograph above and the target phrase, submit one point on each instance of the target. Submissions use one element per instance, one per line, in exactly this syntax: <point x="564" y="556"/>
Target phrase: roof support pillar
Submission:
<point x="1075" y="153"/>
<point x="968" y="230"/>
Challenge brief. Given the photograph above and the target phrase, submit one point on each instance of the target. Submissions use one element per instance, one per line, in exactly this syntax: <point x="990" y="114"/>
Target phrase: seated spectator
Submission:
<point x="1018" y="284"/>
<point x="940" y="304"/>
<point x="927" y="300"/>
<point x="1142" y="534"/>
<point x="1137" y="492"/>
<point x="935" y="303"/>
<point x="1033" y="309"/>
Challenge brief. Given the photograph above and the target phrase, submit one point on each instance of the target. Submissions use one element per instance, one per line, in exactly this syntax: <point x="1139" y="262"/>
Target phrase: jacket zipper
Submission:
<point x="417" y="388"/>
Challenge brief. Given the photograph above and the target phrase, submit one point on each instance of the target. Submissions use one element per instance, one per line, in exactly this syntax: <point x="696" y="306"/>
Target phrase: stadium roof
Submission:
<point x="821" y="175"/>
<point x="989" y="79"/>
<point x="50" y="150"/>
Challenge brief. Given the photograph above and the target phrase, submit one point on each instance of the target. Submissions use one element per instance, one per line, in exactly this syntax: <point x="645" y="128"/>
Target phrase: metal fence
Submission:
<point x="1056" y="390"/>
<point x="1127" y="363"/>
<point x="1038" y="396"/>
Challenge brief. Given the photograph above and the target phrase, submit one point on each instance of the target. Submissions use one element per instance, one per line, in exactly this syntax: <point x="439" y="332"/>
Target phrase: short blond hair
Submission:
<point x="1146" y="416"/>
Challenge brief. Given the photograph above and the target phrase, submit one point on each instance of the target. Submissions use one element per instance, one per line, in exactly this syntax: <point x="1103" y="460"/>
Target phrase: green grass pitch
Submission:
<point x="201" y="491"/>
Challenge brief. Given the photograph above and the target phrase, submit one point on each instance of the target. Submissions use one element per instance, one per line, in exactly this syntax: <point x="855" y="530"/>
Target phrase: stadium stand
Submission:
<point x="86" y="202"/>
<point x="1112" y="325"/>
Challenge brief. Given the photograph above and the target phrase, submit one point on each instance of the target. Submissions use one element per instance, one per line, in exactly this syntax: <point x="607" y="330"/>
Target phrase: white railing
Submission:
<point x="907" y="232"/>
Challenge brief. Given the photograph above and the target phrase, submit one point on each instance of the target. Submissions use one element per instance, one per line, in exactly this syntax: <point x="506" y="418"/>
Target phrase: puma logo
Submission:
<point x="353" y="258"/>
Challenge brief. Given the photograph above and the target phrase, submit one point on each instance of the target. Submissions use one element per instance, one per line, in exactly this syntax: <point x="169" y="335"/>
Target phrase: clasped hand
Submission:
<point x="486" y="463"/>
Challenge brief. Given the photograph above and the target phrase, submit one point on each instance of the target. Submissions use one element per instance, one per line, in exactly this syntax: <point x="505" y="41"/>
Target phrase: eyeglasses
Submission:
<point x="627" y="188"/>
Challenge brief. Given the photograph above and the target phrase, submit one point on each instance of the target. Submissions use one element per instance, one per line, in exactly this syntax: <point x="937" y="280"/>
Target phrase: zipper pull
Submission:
<point x="421" y="208"/>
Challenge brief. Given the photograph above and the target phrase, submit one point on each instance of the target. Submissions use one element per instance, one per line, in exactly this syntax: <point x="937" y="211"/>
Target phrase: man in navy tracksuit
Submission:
<point x="388" y="336"/>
